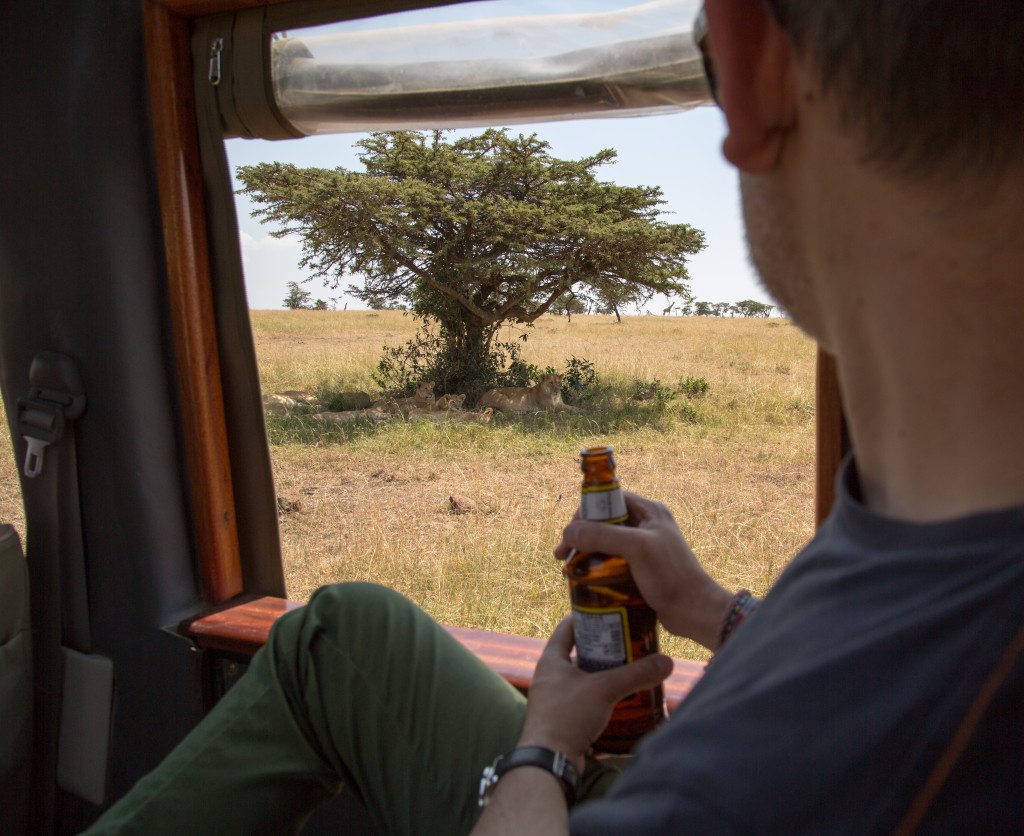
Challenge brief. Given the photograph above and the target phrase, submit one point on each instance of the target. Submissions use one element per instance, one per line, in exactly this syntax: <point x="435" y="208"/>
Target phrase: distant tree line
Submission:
<point x="747" y="307"/>
<point x="302" y="300"/>
<point x="571" y="304"/>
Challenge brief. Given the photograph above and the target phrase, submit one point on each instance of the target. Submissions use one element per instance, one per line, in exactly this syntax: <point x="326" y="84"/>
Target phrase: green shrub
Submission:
<point x="652" y="390"/>
<point x="693" y="387"/>
<point x="689" y="414"/>
<point x="333" y="401"/>
<point x="400" y="368"/>
<point x="427" y="357"/>
<point x="578" y="379"/>
<point x="518" y="372"/>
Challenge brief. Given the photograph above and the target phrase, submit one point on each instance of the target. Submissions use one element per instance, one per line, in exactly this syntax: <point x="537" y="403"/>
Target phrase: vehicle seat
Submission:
<point x="15" y="683"/>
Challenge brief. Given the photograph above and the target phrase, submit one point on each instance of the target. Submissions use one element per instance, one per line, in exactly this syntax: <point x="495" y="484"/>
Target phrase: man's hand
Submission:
<point x="568" y="708"/>
<point x="566" y="711"/>
<point x="688" y="602"/>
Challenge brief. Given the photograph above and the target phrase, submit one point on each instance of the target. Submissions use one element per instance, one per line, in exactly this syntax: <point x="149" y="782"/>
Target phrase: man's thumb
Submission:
<point x="637" y="676"/>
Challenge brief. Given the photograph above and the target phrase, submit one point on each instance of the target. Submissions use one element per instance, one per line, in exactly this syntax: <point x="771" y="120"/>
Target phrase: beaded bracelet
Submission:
<point x="743" y="604"/>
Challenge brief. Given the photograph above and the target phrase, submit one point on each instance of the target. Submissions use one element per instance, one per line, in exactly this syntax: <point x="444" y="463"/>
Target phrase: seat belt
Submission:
<point x="73" y="691"/>
<point x="55" y="400"/>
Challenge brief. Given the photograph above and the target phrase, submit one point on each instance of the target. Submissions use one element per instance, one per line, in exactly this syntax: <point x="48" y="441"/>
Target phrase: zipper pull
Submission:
<point x="216" y="46"/>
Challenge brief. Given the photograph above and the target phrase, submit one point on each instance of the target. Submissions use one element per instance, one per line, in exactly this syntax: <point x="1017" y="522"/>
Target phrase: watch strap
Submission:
<point x="554" y="762"/>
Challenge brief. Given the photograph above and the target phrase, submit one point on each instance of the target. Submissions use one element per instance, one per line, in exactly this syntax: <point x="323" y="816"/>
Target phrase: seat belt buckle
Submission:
<point x="55" y="398"/>
<point x="40" y="423"/>
<point x="34" y="456"/>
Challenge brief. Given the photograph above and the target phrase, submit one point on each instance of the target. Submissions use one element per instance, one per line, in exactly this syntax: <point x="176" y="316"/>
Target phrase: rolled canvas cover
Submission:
<point x="507" y="68"/>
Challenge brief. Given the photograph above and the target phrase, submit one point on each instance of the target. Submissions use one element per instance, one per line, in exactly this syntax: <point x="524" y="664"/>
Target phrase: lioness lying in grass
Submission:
<point x="546" y="394"/>
<point x="423" y="398"/>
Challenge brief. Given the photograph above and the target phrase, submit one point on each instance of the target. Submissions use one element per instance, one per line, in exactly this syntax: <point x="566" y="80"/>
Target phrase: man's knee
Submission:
<point x="354" y="608"/>
<point x="356" y="598"/>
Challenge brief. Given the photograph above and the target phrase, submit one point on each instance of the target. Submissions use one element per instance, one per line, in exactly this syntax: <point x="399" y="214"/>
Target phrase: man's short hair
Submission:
<point x="933" y="87"/>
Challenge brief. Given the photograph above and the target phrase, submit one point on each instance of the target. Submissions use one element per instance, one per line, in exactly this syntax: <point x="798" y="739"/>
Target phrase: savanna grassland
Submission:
<point x="372" y="502"/>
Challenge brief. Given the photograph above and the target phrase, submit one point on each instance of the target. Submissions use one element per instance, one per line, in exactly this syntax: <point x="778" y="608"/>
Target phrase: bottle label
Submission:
<point x="603" y="503"/>
<point x="602" y="638"/>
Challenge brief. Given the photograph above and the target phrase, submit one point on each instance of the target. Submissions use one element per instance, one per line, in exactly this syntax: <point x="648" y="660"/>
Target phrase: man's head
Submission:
<point x="831" y="102"/>
<point x="932" y="88"/>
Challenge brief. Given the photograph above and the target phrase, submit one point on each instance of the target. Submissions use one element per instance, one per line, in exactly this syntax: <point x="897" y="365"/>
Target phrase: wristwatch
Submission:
<point x="554" y="762"/>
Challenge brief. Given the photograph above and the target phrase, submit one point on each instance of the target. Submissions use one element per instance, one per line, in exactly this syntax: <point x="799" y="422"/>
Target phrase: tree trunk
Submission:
<point x="464" y="361"/>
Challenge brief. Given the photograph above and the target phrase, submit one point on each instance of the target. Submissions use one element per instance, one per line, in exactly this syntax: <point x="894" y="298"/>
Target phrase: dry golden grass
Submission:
<point x="375" y="506"/>
<point x="12" y="510"/>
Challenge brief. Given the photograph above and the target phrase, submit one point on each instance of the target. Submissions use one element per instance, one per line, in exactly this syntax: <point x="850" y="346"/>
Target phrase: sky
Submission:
<point x="680" y="153"/>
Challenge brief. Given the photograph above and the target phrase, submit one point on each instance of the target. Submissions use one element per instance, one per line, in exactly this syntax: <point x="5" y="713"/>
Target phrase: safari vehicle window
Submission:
<point x="392" y="461"/>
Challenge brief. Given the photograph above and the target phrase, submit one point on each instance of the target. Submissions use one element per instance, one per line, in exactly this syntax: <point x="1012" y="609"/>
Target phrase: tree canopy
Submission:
<point x="472" y="232"/>
<point x="746" y="307"/>
<point x="302" y="300"/>
<point x="752" y="308"/>
<point x="297" y="298"/>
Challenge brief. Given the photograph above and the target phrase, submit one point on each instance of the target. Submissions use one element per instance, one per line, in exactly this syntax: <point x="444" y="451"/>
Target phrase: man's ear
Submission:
<point x="754" y="62"/>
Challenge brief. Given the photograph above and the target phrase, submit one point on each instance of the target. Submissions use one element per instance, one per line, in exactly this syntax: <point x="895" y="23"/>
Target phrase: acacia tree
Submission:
<point x="473" y="232"/>
<point x="297" y="298"/>
<point x="569" y="304"/>
<point x="752" y="308"/>
<point x="301" y="300"/>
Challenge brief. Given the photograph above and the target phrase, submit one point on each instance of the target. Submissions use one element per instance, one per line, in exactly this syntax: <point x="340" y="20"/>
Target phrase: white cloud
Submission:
<point x="251" y="244"/>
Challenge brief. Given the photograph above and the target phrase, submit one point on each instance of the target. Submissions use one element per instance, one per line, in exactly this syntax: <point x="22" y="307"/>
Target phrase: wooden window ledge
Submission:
<point x="242" y="629"/>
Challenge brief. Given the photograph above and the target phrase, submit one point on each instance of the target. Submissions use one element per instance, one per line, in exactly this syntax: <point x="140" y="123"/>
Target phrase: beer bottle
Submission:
<point x="611" y="620"/>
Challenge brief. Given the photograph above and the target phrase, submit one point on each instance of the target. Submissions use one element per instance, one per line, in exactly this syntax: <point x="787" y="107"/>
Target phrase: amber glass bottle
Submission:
<point x="612" y="622"/>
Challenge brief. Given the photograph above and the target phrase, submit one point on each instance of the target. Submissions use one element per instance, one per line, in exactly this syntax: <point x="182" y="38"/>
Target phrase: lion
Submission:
<point x="283" y="403"/>
<point x="422" y="399"/>
<point x="453" y="416"/>
<point x="301" y="396"/>
<point x="381" y="411"/>
<point x="546" y="394"/>
<point x="449" y="402"/>
<point x="424" y="395"/>
<point x="279" y="405"/>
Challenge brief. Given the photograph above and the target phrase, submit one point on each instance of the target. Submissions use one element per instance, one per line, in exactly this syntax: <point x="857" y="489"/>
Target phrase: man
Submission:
<point x="878" y="686"/>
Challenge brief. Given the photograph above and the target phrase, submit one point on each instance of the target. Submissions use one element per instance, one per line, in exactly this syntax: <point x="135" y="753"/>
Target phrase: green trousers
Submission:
<point x="358" y="688"/>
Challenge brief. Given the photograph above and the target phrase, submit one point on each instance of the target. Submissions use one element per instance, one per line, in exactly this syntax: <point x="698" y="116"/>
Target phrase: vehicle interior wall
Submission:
<point x="81" y="273"/>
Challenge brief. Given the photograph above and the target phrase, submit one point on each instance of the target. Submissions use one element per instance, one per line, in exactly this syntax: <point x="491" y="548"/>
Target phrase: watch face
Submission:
<point x="487" y="782"/>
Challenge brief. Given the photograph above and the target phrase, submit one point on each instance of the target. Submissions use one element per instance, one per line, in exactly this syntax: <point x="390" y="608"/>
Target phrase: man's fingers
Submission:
<point x="563" y="550"/>
<point x="579" y="534"/>
<point x="601" y="537"/>
<point x="636" y="676"/>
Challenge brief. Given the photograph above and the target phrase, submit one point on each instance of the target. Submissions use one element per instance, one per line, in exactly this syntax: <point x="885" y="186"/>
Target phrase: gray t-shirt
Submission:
<point x="830" y="707"/>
